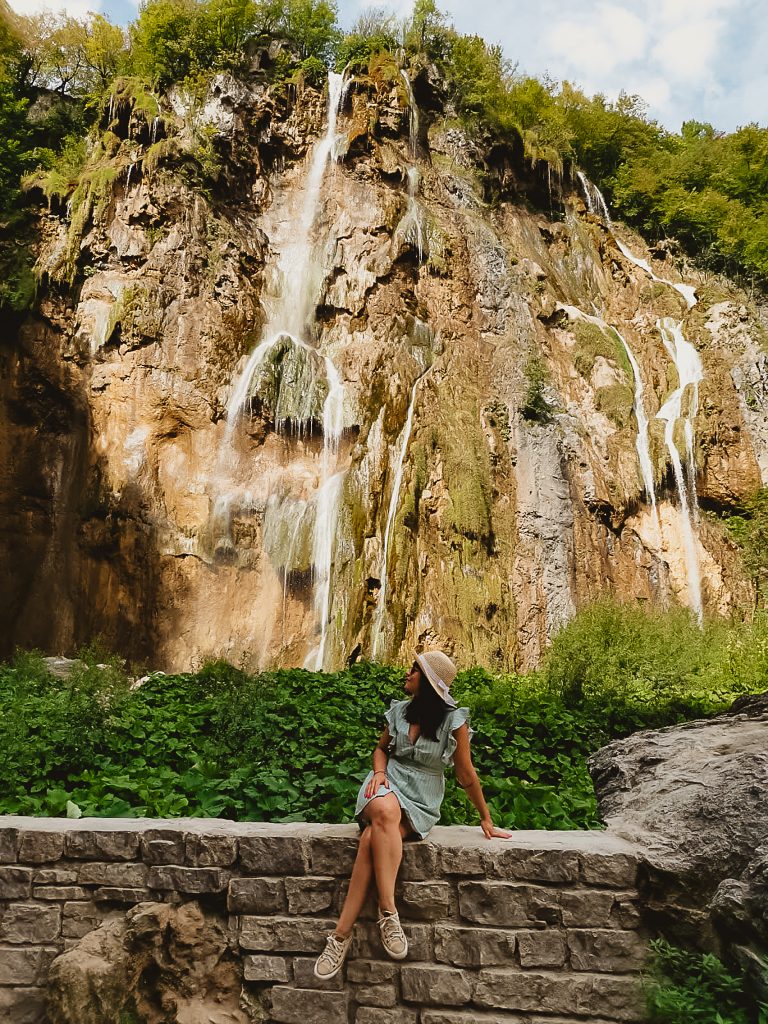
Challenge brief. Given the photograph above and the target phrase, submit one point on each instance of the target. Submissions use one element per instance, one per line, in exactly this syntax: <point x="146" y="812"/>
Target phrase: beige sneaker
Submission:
<point x="392" y="935"/>
<point x="329" y="963"/>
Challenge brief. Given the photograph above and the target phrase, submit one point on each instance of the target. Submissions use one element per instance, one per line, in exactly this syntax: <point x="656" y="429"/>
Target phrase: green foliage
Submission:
<point x="749" y="529"/>
<point x="693" y="988"/>
<point x="592" y="341"/>
<point x="535" y="406"/>
<point x="637" y="667"/>
<point x="616" y="401"/>
<point x="292" y="745"/>
<point x="375" y="31"/>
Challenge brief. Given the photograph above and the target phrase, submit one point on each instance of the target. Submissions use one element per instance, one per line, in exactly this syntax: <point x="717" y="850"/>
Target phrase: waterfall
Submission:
<point x="285" y="333"/>
<point x="690" y="373"/>
<point x="686" y="290"/>
<point x="595" y="199"/>
<point x="413" y="216"/>
<point x="381" y="605"/>
<point x="642" y="444"/>
<point x="326" y="516"/>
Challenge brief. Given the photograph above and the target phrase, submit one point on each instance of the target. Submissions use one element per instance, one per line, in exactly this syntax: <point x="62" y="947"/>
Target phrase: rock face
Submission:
<point x="157" y="963"/>
<point x="695" y="797"/>
<point x="426" y="386"/>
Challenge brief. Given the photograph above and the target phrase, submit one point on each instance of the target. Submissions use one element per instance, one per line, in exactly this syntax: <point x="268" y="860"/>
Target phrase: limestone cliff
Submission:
<point x="286" y="404"/>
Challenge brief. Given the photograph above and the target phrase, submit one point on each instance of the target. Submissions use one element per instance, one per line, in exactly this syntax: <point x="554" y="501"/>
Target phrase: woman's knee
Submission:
<point x="384" y="811"/>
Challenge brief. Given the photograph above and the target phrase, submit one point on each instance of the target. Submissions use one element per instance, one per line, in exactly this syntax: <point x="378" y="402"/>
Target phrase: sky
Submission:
<point x="704" y="60"/>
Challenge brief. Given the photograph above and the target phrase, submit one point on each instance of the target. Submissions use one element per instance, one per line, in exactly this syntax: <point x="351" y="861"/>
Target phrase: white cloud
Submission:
<point x="75" y="8"/>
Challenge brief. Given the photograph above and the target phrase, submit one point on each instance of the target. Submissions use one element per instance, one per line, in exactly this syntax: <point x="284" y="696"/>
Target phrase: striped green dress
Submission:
<point x="416" y="770"/>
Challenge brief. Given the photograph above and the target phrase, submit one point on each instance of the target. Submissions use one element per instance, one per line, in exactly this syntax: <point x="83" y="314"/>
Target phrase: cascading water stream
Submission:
<point x="381" y="605"/>
<point x="413" y="214"/>
<point x="287" y="324"/>
<point x="690" y="372"/>
<point x="642" y="444"/>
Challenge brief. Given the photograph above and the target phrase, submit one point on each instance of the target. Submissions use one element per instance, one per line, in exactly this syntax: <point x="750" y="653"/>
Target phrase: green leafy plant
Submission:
<point x="684" y="987"/>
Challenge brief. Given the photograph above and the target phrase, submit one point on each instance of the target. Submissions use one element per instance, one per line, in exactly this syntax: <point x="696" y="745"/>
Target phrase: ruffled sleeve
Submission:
<point x="455" y="720"/>
<point x="392" y="716"/>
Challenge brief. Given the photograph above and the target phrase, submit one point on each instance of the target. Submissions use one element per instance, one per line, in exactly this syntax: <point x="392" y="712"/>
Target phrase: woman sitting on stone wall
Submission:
<point x="401" y="798"/>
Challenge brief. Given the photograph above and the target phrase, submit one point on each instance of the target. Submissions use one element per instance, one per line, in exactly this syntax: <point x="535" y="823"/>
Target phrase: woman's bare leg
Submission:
<point x="359" y="883"/>
<point x="385" y="816"/>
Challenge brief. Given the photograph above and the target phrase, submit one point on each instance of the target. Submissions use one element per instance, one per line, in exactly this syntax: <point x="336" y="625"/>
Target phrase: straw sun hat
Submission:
<point x="440" y="671"/>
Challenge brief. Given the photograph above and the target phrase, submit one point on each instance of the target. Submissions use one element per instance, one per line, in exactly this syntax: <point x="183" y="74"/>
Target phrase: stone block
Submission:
<point x="304" y="975"/>
<point x="116" y="874"/>
<point x="300" y="1006"/>
<point x="508" y="904"/>
<point x="25" y="965"/>
<point x="543" y="948"/>
<point x="163" y="846"/>
<point x="425" y="901"/>
<point x="273" y="855"/>
<point x="8" y="845"/>
<point x="122" y="894"/>
<point x="597" y="908"/>
<point x="80" y="918"/>
<point x="419" y="861"/>
<point x="30" y="922"/>
<point x="371" y="972"/>
<point x="55" y="876"/>
<point x="371" y="1015"/>
<point x="15" y="883"/>
<point x="102" y="845"/>
<point x="366" y="941"/>
<point x="472" y="1017"/>
<point x="469" y="862"/>
<point x="256" y="896"/>
<point x="587" y="995"/>
<point x="474" y="947"/>
<point x="429" y="985"/>
<point x="284" y="934"/>
<point x="384" y="995"/>
<point x="195" y="881"/>
<point x="615" y="870"/>
<point x="525" y="865"/>
<point x="40" y="847"/>
<point x="210" y="851"/>
<point x="310" y="895"/>
<point x="332" y="856"/>
<point x="22" y="1005"/>
<point x="59" y="892"/>
<point x="606" y="950"/>
<point x="266" y="968"/>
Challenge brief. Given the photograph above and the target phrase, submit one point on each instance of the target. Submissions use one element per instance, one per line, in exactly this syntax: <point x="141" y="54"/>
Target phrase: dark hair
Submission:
<point x="427" y="708"/>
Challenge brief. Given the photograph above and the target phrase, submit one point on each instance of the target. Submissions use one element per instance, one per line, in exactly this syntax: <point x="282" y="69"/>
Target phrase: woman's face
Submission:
<point x="413" y="680"/>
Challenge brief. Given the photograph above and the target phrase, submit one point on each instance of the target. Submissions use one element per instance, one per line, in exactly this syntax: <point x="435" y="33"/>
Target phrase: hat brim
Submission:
<point x="436" y="682"/>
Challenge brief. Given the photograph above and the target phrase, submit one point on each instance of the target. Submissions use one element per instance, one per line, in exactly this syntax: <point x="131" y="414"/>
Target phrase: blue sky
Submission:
<point x="701" y="59"/>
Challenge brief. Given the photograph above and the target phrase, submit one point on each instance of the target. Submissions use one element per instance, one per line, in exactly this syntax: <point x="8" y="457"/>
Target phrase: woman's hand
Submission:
<point x="373" y="785"/>
<point x="491" y="832"/>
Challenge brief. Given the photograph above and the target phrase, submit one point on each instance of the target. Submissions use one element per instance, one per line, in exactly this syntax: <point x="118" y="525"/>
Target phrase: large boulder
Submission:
<point x="695" y="797"/>
<point x="157" y="964"/>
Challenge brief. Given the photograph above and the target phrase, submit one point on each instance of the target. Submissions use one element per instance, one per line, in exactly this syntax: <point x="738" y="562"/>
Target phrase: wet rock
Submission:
<point x="695" y="798"/>
<point x="157" y="964"/>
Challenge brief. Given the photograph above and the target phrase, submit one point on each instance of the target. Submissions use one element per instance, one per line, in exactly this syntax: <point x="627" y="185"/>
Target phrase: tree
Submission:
<point x="427" y="31"/>
<point x="105" y="51"/>
<point x="162" y="49"/>
<point x="311" y="25"/>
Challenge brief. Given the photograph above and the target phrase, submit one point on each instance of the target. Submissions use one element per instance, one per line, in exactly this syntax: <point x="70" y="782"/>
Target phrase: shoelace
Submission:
<point x="333" y="950"/>
<point x="390" y="927"/>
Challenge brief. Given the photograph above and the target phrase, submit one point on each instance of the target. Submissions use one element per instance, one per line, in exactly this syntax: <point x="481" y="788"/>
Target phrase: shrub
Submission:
<point x="684" y="987"/>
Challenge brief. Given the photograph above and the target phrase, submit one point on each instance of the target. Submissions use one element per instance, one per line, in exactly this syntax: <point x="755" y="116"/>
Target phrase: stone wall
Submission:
<point x="542" y="928"/>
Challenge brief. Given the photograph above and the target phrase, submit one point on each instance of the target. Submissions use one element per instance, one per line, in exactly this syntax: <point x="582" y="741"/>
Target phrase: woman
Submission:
<point x="400" y="799"/>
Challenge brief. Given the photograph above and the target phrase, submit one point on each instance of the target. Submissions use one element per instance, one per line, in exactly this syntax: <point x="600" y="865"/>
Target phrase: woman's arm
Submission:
<point x="467" y="778"/>
<point x="380" y="760"/>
